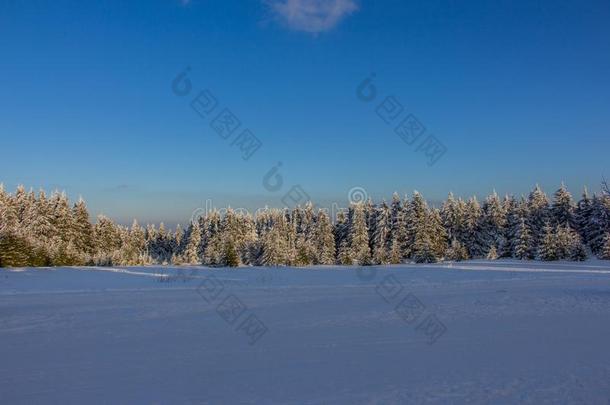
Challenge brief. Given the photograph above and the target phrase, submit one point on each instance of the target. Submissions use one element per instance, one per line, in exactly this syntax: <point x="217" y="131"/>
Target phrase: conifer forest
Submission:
<point x="41" y="230"/>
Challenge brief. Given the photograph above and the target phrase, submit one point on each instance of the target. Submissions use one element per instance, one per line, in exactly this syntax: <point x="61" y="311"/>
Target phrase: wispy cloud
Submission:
<point x="120" y="187"/>
<point x="312" y="16"/>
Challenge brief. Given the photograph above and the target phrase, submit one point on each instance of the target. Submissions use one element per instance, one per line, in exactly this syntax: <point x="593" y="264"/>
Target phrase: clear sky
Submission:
<point x="518" y="92"/>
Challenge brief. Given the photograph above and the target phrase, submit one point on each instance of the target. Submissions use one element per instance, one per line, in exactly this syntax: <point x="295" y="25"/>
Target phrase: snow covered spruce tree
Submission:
<point x="107" y="241"/>
<point x="159" y="244"/>
<point x="230" y="240"/>
<point x="341" y="239"/>
<point x="605" y="251"/>
<point x="493" y="223"/>
<point x="563" y="207"/>
<point x="598" y="222"/>
<point x="452" y="214"/>
<point x="37" y="227"/>
<point x="370" y="218"/>
<point x="303" y="221"/>
<point x="358" y="235"/>
<point x="456" y="251"/>
<point x="549" y="244"/>
<point x="193" y="240"/>
<point x="353" y="236"/>
<point x="13" y="246"/>
<point x="474" y="238"/>
<point x="576" y="250"/>
<point x="323" y="239"/>
<point x="426" y="235"/>
<point x="415" y="215"/>
<point x="582" y="212"/>
<point x="514" y="213"/>
<point x="523" y="241"/>
<point x="212" y="241"/>
<point x="423" y="251"/>
<point x="437" y="232"/>
<point x="239" y="232"/>
<point x="82" y="230"/>
<point x="561" y="243"/>
<point x="278" y="241"/>
<point x="399" y="238"/>
<point x="538" y="215"/>
<point x="19" y="247"/>
<point x="133" y="247"/>
<point x="62" y="250"/>
<point x="382" y="232"/>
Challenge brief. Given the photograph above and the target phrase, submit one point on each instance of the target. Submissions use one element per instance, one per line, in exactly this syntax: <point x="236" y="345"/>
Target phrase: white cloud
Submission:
<point x="311" y="15"/>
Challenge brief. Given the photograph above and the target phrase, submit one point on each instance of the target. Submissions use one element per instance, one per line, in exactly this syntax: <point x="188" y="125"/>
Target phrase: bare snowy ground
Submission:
<point x="473" y="332"/>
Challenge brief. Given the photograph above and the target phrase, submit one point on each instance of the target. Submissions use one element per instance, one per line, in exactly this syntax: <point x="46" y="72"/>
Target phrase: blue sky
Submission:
<point x="517" y="92"/>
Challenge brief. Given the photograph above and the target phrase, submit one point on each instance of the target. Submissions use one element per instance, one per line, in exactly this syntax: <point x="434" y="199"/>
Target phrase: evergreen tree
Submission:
<point x="538" y="214"/>
<point x="370" y="218"/>
<point x="324" y="241"/>
<point x="492" y="254"/>
<point x="278" y="245"/>
<point x="344" y="256"/>
<point x="437" y="233"/>
<point x="13" y="251"/>
<point x="456" y="251"/>
<point x="21" y="204"/>
<point x="230" y="255"/>
<point x="38" y="220"/>
<point x="305" y="242"/>
<point x="157" y="244"/>
<point x="133" y="246"/>
<point x="508" y="241"/>
<point x="359" y="236"/>
<point x="8" y="213"/>
<point x="493" y="223"/>
<point x="582" y="213"/>
<point x="177" y="239"/>
<point x="474" y="237"/>
<point x="107" y="241"/>
<point x="523" y="237"/>
<point x="396" y="254"/>
<point x="289" y="235"/>
<point x="399" y="235"/>
<point x="238" y="233"/>
<point x="83" y="230"/>
<point x="598" y="223"/>
<point x="423" y="246"/>
<point x="416" y="216"/>
<point x="548" y="249"/>
<point x="191" y="253"/>
<point x="274" y="248"/>
<point x="563" y="240"/>
<point x="61" y="217"/>
<point x="569" y="244"/>
<point x="453" y="217"/>
<point x="577" y="250"/>
<point x="213" y="240"/>
<point x="13" y="248"/>
<point x="563" y="207"/>
<point x="150" y="234"/>
<point x="605" y="251"/>
<point x="382" y="235"/>
<point x="341" y="231"/>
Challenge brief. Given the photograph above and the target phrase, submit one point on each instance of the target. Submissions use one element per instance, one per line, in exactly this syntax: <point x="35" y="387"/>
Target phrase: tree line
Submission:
<point x="36" y="230"/>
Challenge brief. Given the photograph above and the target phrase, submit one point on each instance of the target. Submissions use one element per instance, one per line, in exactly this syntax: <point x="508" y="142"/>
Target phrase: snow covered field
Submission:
<point x="477" y="332"/>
